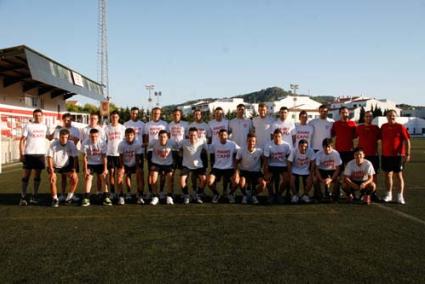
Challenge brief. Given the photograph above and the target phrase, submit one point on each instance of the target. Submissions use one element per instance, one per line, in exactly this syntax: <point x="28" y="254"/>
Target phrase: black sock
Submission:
<point x="170" y="194"/>
<point x="185" y="190"/>
<point x="112" y="188"/>
<point x="37" y="182"/>
<point x="24" y="187"/>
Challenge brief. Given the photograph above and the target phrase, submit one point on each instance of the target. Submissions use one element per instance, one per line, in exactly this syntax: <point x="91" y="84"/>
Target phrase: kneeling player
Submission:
<point x="328" y="163"/>
<point x="301" y="164"/>
<point x="130" y="151"/>
<point x="62" y="158"/>
<point x="249" y="159"/>
<point x="163" y="156"/>
<point x="358" y="176"/>
<point x="94" y="162"/>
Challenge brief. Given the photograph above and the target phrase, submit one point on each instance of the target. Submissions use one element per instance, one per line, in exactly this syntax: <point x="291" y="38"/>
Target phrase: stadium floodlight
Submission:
<point x="294" y="88"/>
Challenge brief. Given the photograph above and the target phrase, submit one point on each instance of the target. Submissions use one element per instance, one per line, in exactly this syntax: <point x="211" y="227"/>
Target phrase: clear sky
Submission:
<point x="219" y="48"/>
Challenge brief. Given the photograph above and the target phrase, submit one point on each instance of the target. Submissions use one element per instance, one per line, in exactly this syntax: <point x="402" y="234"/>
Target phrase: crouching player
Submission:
<point x="328" y="163"/>
<point x="62" y="158"/>
<point x="301" y="163"/>
<point x="358" y="176"/>
<point x="131" y="158"/>
<point x="94" y="162"/>
<point x="195" y="160"/>
<point x="249" y="160"/>
<point x="163" y="156"/>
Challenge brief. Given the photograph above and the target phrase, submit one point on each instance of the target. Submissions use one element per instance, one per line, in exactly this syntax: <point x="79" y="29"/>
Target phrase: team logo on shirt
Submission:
<point x="222" y="154"/>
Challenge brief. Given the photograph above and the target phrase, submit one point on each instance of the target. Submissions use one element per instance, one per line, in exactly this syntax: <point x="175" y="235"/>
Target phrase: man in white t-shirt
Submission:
<point x="276" y="166"/>
<point x="286" y="126"/>
<point x="328" y="166"/>
<point x="223" y="159"/>
<point x="322" y="128"/>
<point x="62" y="158"/>
<point x="218" y="123"/>
<point x="94" y="119"/>
<point x="239" y="127"/>
<point x="303" y="131"/>
<point x="301" y="163"/>
<point x="32" y="153"/>
<point x="358" y="176"/>
<point x="194" y="153"/>
<point x="94" y="163"/>
<point x="114" y="133"/>
<point x="204" y="131"/>
<point x="262" y="126"/>
<point x="251" y="180"/>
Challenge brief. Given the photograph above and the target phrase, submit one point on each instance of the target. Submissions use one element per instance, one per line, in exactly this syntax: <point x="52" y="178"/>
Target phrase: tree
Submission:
<point x="362" y="114"/>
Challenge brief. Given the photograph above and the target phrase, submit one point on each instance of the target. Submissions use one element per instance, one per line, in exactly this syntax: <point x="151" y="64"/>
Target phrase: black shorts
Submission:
<point x="392" y="164"/>
<point x="34" y="162"/>
<point x="130" y="170"/>
<point x="251" y="177"/>
<point x="375" y="162"/>
<point x="219" y="173"/>
<point x="65" y="170"/>
<point x="161" y="169"/>
<point x="277" y="170"/>
<point x="326" y="173"/>
<point x="346" y="157"/>
<point x="113" y="162"/>
<point x="196" y="172"/>
<point x="95" y="169"/>
<point x="178" y="163"/>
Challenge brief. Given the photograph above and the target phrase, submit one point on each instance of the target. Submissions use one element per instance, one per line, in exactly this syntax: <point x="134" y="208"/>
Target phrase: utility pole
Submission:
<point x="102" y="55"/>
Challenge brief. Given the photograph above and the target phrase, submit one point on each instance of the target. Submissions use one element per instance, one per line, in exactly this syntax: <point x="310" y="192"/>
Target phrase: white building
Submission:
<point x="415" y="125"/>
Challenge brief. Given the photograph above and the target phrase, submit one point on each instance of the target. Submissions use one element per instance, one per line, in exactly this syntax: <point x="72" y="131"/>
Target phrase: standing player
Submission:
<point x="62" y="158"/>
<point x="301" y="163"/>
<point x="262" y="126"/>
<point x="204" y="131"/>
<point x="139" y="127"/>
<point x="303" y="131"/>
<point x="130" y="151"/>
<point x="395" y="153"/>
<point x="32" y="153"/>
<point x="249" y="159"/>
<point x="344" y="131"/>
<point x="276" y="166"/>
<point x="286" y="126"/>
<point x="223" y="154"/>
<point x="114" y="133"/>
<point x="239" y="127"/>
<point x="194" y="152"/>
<point x="218" y="123"/>
<point x="358" y="176"/>
<point x="321" y="127"/>
<point x="328" y="167"/>
<point x="94" y="162"/>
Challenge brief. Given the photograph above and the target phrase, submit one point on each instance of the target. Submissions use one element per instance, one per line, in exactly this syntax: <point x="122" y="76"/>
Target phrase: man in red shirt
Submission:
<point x="344" y="131"/>
<point x="395" y="153"/>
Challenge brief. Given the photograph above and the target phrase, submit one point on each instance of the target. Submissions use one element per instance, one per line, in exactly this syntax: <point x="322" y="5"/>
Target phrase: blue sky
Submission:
<point x="196" y="48"/>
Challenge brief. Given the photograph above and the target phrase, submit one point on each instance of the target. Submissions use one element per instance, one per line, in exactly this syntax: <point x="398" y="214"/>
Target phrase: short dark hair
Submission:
<point x="162" y="132"/>
<point x="37" y="110"/>
<point x="323" y="106"/>
<point x="193" y="129"/>
<point x="262" y="105"/>
<point x="177" y="110"/>
<point x="129" y="130"/>
<point x="277" y="131"/>
<point x="66" y="115"/>
<point x="64" y="131"/>
<point x="251" y="135"/>
<point x="218" y="108"/>
<point x="94" y="130"/>
<point x="222" y="130"/>
<point x="358" y="149"/>
<point x="156" y="108"/>
<point x="342" y="108"/>
<point x="302" y="141"/>
<point x="327" y="142"/>
<point x="95" y="113"/>
<point x="134" y="108"/>
<point x="115" y="112"/>
<point x="302" y="113"/>
<point x="283" y="108"/>
<point x="240" y="105"/>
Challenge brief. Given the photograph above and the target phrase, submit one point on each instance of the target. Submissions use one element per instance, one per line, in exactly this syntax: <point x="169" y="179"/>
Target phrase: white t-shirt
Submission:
<point x="162" y="154"/>
<point x="61" y="154"/>
<point x="74" y="132"/>
<point x="114" y="135"/>
<point x="288" y="129"/>
<point x="322" y="129"/>
<point x="262" y="129"/>
<point x="239" y="129"/>
<point x="224" y="154"/>
<point x="85" y="133"/>
<point x="249" y="161"/>
<point x="35" y="134"/>
<point x="204" y="131"/>
<point x="152" y="129"/>
<point x="129" y="152"/>
<point x="216" y="126"/>
<point x="328" y="161"/>
<point x="303" y="132"/>
<point x="178" y="131"/>
<point x="192" y="154"/>
<point x="94" y="151"/>
<point x="301" y="162"/>
<point x="138" y="127"/>
<point x="359" y="172"/>
<point x="277" y="154"/>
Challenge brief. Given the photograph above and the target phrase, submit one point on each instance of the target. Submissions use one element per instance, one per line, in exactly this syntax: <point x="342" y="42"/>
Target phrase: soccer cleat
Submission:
<point x="128" y="196"/>
<point x="186" y="199"/>
<point x="295" y="199"/>
<point x="198" y="199"/>
<point x="155" y="200"/>
<point x="255" y="200"/>
<point x="55" y="203"/>
<point x="121" y="200"/>
<point x="85" y="202"/>
<point x="400" y="199"/>
<point x="244" y="199"/>
<point x="375" y="198"/>
<point x="162" y="195"/>
<point x="306" y="199"/>
<point x="75" y="198"/>
<point x="170" y="200"/>
<point x="62" y="198"/>
<point x="215" y="198"/>
<point x="148" y="195"/>
<point x="388" y="197"/>
<point x="231" y="198"/>
<point x="107" y="201"/>
<point x="34" y="200"/>
<point x="23" y="202"/>
<point x="366" y="199"/>
<point x="140" y="200"/>
<point x="350" y="198"/>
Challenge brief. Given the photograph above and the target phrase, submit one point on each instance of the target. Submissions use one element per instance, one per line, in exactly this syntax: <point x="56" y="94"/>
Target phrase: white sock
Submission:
<point x="70" y="195"/>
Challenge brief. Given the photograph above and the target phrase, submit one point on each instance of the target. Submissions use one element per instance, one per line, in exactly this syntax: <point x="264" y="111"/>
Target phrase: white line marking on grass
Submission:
<point x="400" y="213"/>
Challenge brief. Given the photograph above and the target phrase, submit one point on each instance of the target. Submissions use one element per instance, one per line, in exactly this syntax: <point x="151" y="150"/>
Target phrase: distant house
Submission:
<point x="414" y="113"/>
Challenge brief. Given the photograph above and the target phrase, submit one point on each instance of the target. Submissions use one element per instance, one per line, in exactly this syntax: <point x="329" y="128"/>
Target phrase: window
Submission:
<point x="31" y="101"/>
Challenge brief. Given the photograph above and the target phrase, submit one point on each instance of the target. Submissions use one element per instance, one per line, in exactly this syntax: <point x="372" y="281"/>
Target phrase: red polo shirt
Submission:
<point x="393" y="136"/>
<point x="345" y="132"/>
<point x="368" y="138"/>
